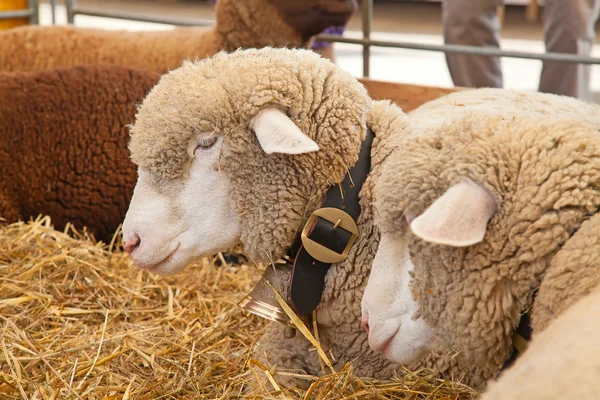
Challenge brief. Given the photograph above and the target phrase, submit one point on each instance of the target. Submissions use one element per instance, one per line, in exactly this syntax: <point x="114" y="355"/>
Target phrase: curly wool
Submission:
<point x="339" y="313"/>
<point x="274" y="194"/>
<point x="239" y="24"/>
<point x="63" y="144"/>
<point x="223" y="94"/>
<point x="540" y="156"/>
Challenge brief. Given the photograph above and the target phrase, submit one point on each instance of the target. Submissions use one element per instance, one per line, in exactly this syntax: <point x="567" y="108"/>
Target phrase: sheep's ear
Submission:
<point x="458" y="218"/>
<point x="277" y="133"/>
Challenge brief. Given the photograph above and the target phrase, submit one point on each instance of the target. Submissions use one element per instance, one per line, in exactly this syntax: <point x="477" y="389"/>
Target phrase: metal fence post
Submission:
<point x="34" y="6"/>
<point x="53" y="6"/>
<point x="367" y="19"/>
<point x="70" y="5"/>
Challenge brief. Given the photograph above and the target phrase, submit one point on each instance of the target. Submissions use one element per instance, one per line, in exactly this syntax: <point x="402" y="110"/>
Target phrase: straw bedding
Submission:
<point x="78" y="321"/>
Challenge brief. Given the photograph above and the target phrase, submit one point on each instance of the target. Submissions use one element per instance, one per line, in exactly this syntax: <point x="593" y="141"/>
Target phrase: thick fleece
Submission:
<point x="222" y="94"/>
<point x="63" y="144"/>
<point x="274" y="194"/>
<point x="339" y="313"/>
<point x="539" y="155"/>
<point x="563" y="362"/>
<point x="239" y="24"/>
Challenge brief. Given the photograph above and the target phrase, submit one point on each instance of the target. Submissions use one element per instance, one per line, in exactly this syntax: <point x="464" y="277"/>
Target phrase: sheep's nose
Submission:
<point x="365" y="322"/>
<point x="132" y="243"/>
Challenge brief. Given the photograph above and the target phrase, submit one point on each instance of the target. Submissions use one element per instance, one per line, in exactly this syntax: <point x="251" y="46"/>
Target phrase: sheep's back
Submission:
<point x="503" y="102"/>
<point x="35" y="48"/>
<point x="63" y="142"/>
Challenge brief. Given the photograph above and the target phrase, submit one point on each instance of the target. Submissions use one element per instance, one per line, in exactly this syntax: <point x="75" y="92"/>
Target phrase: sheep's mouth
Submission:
<point x="383" y="346"/>
<point x="158" y="265"/>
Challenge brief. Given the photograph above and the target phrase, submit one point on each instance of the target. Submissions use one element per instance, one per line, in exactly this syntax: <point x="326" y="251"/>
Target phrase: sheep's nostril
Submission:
<point x="132" y="243"/>
<point x="365" y="322"/>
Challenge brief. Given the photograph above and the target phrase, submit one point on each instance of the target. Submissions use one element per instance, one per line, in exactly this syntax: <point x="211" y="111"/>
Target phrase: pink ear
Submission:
<point x="277" y="133"/>
<point x="459" y="217"/>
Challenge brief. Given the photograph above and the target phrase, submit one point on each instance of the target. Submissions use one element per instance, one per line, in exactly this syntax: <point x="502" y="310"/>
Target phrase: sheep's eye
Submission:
<point x="206" y="143"/>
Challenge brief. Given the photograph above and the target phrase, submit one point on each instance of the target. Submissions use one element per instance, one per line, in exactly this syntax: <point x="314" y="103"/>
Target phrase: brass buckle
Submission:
<point x="338" y="218"/>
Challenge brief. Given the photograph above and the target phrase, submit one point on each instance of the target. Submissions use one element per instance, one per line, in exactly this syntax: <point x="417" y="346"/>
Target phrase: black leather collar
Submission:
<point x="520" y="340"/>
<point x="308" y="273"/>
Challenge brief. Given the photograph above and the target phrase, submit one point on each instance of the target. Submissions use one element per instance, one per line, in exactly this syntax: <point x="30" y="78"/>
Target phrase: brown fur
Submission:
<point x="63" y="144"/>
<point x="542" y="163"/>
<point x="239" y="24"/>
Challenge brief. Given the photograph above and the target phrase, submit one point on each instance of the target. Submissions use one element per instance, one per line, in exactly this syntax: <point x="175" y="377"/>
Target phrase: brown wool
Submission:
<point x="239" y="24"/>
<point x="63" y="144"/>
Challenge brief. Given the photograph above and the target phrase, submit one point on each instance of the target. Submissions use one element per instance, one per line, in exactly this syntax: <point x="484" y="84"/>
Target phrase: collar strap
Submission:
<point x="520" y="341"/>
<point x="328" y="234"/>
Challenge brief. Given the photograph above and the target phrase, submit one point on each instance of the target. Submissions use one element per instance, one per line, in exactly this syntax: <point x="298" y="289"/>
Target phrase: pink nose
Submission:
<point x="132" y="243"/>
<point x="365" y="322"/>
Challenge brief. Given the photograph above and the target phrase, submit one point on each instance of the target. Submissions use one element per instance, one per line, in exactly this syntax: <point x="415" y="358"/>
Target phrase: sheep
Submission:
<point x="562" y="362"/>
<point x="494" y="186"/>
<point x="63" y="144"/>
<point x="239" y="24"/>
<point x="242" y="147"/>
<point x="98" y="205"/>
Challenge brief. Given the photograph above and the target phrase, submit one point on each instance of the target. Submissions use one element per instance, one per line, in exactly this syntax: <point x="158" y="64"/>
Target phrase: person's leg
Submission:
<point x="569" y="28"/>
<point x="474" y="23"/>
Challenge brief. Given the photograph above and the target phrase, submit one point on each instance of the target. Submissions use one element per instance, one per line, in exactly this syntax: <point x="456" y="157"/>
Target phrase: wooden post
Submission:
<point x="501" y="14"/>
<point x="533" y="11"/>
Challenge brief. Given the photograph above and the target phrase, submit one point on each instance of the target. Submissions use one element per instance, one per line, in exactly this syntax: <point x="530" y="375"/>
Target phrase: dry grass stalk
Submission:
<point x="78" y="321"/>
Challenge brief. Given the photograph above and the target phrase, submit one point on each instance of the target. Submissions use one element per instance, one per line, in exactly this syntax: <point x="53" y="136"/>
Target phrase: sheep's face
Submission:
<point x="172" y="222"/>
<point x="286" y="125"/>
<point x="388" y="305"/>
<point x="312" y="17"/>
<point x="479" y="207"/>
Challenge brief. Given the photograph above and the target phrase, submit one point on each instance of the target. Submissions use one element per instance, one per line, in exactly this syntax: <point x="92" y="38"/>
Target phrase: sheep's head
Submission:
<point x="312" y="17"/>
<point x="241" y="146"/>
<point x="289" y="23"/>
<point x="470" y="214"/>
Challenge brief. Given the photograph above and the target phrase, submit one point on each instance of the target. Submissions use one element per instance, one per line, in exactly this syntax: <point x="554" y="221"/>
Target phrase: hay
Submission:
<point x="77" y="321"/>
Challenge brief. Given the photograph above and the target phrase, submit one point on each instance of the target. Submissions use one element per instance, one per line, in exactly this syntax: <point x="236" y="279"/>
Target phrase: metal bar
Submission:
<point x="70" y="5"/>
<point x="53" y="6"/>
<point x="16" y="14"/>
<point x="34" y="6"/>
<point x="94" y="12"/>
<point x="367" y="20"/>
<point x="453" y="48"/>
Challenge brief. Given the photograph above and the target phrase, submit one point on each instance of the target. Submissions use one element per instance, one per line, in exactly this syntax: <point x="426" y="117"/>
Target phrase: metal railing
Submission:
<point x="74" y="9"/>
<point x="367" y="19"/>
<point x="32" y="12"/>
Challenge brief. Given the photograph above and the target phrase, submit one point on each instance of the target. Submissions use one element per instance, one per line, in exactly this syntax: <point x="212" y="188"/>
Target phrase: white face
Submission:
<point x="185" y="222"/>
<point x="167" y="227"/>
<point x="458" y="218"/>
<point x="388" y="305"/>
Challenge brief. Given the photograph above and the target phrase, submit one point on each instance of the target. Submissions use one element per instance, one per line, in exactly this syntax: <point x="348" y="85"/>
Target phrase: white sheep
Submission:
<point x="494" y="185"/>
<point x="243" y="147"/>
<point x="239" y="24"/>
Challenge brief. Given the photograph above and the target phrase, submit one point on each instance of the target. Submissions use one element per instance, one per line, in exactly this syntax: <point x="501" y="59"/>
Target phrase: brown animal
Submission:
<point x="239" y="24"/>
<point x="63" y="144"/>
